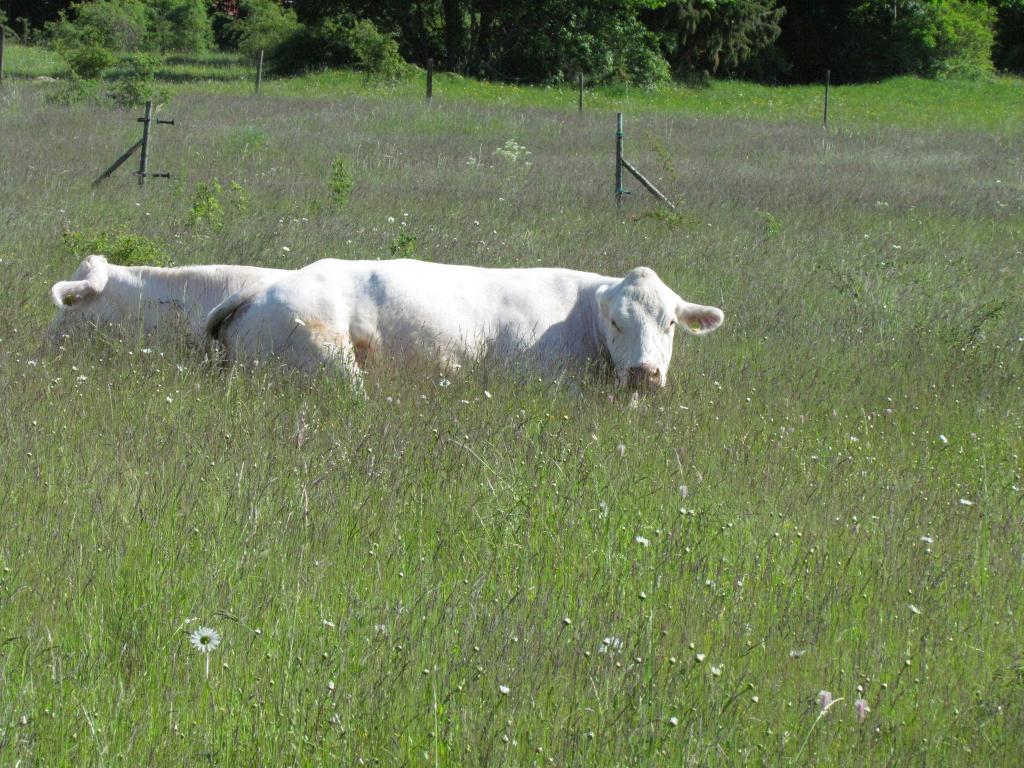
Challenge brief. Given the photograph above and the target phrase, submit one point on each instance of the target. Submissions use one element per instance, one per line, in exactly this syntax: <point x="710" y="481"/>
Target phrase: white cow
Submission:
<point x="345" y="314"/>
<point x="144" y="299"/>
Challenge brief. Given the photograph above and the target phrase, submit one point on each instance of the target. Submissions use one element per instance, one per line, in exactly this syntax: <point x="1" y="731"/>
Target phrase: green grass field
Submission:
<point x="506" y="570"/>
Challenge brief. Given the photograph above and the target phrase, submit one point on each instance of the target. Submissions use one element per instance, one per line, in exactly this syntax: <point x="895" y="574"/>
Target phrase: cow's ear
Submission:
<point x="698" y="318"/>
<point x="602" y="300"/>
<point x="67" y="293"/>
<point x="94" y="273"/>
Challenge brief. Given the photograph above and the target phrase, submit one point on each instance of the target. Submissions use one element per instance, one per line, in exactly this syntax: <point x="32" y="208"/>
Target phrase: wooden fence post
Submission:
<point x="259" y="72"/>
<point x="144" y="157"/>
<point x="828" y="78"/>
<point x="2" y="37"/>
<point x="619" y="160"/>
<point x="430" y="80"/>
<point x="581" y="93"/>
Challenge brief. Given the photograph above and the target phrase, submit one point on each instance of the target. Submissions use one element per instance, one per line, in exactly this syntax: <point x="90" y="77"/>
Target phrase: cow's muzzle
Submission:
<point x="643" y="377"/>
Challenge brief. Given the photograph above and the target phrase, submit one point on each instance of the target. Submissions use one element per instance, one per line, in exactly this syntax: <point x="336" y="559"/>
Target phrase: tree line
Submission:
<point x="639" y="42"/>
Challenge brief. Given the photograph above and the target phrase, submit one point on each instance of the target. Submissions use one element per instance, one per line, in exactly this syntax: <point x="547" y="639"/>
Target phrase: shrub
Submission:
<point x="89" y="61"/>
<point x="931" y="39"/>
<point x="118" y="25"/>
<point x="376" y="52"/>
<point x="179" y="25"/>
<point x="341" y="181"/>
<point x="324" y="43"/>
<point x="72" y="90"/>
<point x="120" y="246"/>
<point x="206" y="208"/>
<point x="262" y="25"/>
<point x="136" y="82"/>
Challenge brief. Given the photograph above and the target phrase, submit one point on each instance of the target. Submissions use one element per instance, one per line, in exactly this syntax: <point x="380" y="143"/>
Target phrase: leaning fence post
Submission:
<point x="144" y="157"/>
<point x="2" y="37"/>
<point x="259" y="72"/>
<point x="828" y="78"/>
<point x="430" y="80"/>
<point x="619" y="191"/>
<point x="581" y="93"/>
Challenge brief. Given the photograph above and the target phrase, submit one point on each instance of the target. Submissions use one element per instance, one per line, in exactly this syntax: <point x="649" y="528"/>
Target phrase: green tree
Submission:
<point x="262" y="25"/>
<point x="1009" y="48"/>
<point x="179" y="25"/>
<point x="119" y="25"/>
<point x="932" y="38"/>
<point x="705" y="36"/>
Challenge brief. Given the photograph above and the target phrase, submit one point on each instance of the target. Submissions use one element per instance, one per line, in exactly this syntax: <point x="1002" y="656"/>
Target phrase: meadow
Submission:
<point x="493" y="568"/>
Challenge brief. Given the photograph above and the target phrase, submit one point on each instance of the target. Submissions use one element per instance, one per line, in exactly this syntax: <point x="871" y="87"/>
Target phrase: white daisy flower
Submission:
<point x="205" y="639"/>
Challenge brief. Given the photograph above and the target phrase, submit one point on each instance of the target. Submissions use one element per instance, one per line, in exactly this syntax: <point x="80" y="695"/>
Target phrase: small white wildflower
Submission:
<point x="796" y="654"/>
<point x="944" y="440"/>
<point x="914" y="609"/>
<point x="673" y="721"/>
<point x="329" y="624"/>
<point x="700" y="657"/>
<point x="643" y="542"/>
<point x="504" y="690"/>
<point x="286" y="249"/>
<point x="966" y="502"/>
<point x="205" y="639"/>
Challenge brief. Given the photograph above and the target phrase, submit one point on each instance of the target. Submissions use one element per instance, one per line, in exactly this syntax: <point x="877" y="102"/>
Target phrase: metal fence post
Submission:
<point x="259" y="72"/>
<point x="828" y="78"/>
<point x="619" y="191"/>
<point x="581" y="92"/>
<point x="144" y="157"/>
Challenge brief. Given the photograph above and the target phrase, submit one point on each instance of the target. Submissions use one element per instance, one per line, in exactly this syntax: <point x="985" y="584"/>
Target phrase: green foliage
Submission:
<point x="209" y="201"/>
<point x="341" y="181"/>
<point x="135" y="82"/>
<point x="120" y="246"/>
<point x="938" y="38"/>
<point x="263" y="25"/>
<point x="118" y="25"/>
<point x="403" y="246"/>
<point x="179" y="25"/>
<point x="72" y="90"/>
<point x="206" y="209"/>
<point x="376" y="53"/>
<point x="1009" y="48"/>
<point x="714" y="38"/>
<point x="89" y="60"/>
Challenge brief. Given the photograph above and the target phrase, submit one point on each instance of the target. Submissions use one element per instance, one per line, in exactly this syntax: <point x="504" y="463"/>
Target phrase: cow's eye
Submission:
<point x="616" y="327"/>
<point x="671" y="324"/>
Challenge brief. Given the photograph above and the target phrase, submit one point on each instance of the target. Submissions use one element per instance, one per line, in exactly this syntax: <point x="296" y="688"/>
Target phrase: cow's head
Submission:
<point x="638" y="317"/>
<point x="81" y="301"/>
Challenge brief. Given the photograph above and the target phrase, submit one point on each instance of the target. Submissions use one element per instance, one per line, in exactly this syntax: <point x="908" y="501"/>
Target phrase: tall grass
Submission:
<point x="501" y="570"/>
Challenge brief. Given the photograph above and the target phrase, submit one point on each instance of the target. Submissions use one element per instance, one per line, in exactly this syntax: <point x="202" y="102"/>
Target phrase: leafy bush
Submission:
<point x="72" y="90"/>
<point x="262" y="25"/>
<point x="376" y="53"/>
<point x="309" y="46"/>
<point x="341" y="182"/>
<point x="206" y="208"/>
<point x="89" y="61"/>
<point x="179" y="25"/>
<point x="403" y="246"/>
<point x="938" y="38"/>
<point x="120" y="246"/>
<point x="136" y="83"/>
<point x="118" y="25"/>
<point x="209" y="200"/>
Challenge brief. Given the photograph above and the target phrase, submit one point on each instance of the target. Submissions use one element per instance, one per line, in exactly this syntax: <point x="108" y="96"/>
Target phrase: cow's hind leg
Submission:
<point x="315" y="347"/>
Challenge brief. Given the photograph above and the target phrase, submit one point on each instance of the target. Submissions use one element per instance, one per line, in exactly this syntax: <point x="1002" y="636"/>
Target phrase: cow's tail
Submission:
<point x="220" y="316"/>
